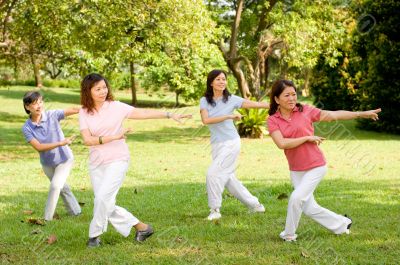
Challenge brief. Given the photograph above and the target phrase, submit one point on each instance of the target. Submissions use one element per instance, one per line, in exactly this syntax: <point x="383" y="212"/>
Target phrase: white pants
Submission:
<point x="302" y="200"/>
<point x="221" y="174"/>
<point x="106" y="181"/>
<point x="58" y="186"/>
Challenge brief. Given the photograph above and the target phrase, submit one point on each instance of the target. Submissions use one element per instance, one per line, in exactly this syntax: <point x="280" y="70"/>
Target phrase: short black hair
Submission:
<point x="31" y="97"/>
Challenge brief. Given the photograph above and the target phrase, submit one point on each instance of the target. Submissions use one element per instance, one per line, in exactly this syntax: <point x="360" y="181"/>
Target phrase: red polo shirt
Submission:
<point x="307" y="155"/>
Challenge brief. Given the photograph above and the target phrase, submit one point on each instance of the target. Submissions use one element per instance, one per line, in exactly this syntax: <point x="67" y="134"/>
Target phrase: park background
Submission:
<point x="341" y="54"/>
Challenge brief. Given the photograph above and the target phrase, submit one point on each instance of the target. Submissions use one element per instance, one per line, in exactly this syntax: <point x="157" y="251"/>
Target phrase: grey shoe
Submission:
<point x="94" y="242"/>
<point x="143" y="235"/>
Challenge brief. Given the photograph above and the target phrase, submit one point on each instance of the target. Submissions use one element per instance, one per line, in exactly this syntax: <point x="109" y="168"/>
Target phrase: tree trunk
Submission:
<point x="36" y="72"/>
<point x="133" y="83"/>
<point x="176" y="99"/>
<point x="241" y="79"/>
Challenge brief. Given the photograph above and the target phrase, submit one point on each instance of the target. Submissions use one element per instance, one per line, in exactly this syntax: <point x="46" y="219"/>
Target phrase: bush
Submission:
<point x="253" y="123"/>
<point x="380" y="49"/>
<point x="68" y="83"/>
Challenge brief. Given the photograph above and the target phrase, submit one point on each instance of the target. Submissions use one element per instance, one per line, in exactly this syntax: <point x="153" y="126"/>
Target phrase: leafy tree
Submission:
<point x="376" y="41"/>
<point x="180" y="53"/>
<point x="293" y="33"/>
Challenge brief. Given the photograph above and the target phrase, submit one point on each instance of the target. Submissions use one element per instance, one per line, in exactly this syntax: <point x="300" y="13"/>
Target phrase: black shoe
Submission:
<point x="143" y="235"/>
<point x="94" y="242"/>
<point x="351" y="221"/>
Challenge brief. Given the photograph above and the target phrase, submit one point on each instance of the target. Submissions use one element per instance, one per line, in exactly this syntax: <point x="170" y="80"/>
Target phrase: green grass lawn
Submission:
<point x="165" y="186"/>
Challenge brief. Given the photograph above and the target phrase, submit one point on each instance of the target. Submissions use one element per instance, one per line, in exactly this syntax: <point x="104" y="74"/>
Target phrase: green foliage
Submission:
<point x="379" y="46"/>
<point x="367" y="76"/>
<point x="252" y="124"/>
<point x="67" y="83"/>
<point x="182" y="53"/>
<point x="277" y="39"/>
<point x="335" y="88"/>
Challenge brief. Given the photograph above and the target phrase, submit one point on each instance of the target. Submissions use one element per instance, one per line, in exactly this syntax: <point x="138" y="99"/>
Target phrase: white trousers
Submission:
<point x="107" y="180"/>
<point x="58" y="186"/>
<point x="221" y="174"/>
<point x="302" y="200"/>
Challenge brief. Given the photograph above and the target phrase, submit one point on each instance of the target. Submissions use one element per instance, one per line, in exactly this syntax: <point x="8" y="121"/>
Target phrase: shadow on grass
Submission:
<point x="157" y="104"/>
<point x="52" y="95"/>
<point x="172" y="134"/>
<point x="49" y="95"/>
<point x="12" y="118"/>
<point x="177" y="211"/>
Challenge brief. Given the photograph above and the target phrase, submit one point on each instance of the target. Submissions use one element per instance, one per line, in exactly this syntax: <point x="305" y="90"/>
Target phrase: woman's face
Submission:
<point x="287" y="99"/>
<point x="219" y="83"/>
<point x="35" y="107"/>
<point x="99" y="92"/>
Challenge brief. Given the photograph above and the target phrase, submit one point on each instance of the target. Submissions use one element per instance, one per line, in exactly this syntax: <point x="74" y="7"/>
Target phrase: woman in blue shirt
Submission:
<point x="42" y="130"/>
<point x="216" y="109"/>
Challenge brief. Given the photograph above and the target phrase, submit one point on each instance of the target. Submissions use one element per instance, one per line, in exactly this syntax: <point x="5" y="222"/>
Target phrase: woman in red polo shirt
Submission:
<point x="290" y="125"/>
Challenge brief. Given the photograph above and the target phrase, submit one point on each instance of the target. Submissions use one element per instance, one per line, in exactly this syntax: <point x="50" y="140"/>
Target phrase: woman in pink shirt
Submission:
<point x="100" y="121"/>
<point x="290" y="125"/>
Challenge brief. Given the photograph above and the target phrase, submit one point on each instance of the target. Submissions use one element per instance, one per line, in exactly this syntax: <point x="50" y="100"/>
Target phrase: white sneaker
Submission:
<point x="258" y="209"/>
<point x="287" y="238"/>
<point x="214" y="214"/>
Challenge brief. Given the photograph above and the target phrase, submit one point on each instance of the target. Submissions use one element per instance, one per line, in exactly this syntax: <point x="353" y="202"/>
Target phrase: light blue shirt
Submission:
<point x="48" y="131"/>
<point x="224" y="130"/>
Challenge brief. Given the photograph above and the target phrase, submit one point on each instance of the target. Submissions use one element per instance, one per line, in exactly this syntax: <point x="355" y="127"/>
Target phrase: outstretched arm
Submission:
<point x="327" y="115"/>
<point x="71" y="111"/>
<point x="289" y="143"/>
<point x="249" y="104"/>
<point x="142" y="114"/>
<point x="208" y="120"/>
<point x="46" y="147"/>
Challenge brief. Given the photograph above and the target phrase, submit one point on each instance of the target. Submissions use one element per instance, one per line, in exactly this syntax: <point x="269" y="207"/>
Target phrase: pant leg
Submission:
<point x="70" y="202"/>
<point x="304" y="182"/>
<point x="219" y="172"/>
<point x="52" y="196"/>
<point x="107" y="180"/>
<point x="57" y="176"/>
<point x="302" y="199"/>
<point x="328" y="219"/>
<point x="237" y="189"/>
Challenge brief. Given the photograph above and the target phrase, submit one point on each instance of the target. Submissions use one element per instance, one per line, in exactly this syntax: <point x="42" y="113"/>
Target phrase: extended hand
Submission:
<point x="235" y="117"/>
<point x="122" y="135"/>
<point x="315" y="139"/>
<point x="179" y="117"/>
<point x="68" y="140"/>
<point x="370" y="114"/>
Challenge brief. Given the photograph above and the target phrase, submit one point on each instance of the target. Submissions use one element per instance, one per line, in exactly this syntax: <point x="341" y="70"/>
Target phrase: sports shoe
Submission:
<point x="258" y="209"/>
<point x="287" y="238"/>
<point x="214" y="214"/>
<point x="143" y="235"/>
<point x="349" y="225"/>
<point x="94" y="242"/>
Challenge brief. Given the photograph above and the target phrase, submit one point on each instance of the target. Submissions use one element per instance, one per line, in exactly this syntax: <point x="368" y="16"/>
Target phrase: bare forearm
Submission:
<point x="71" y="111"/>
<point x="98" y="140"/>
<point x="248" y="104"/>
<point x="342" y="115"/>
<point x="289" y="143"/>
<point x="47" y="147"/>
<point x="142" y="114"/>
<point x="214" y="120"/>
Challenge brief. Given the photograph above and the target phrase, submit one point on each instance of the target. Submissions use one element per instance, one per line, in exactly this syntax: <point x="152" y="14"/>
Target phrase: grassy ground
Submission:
<point x="165" y="186"/>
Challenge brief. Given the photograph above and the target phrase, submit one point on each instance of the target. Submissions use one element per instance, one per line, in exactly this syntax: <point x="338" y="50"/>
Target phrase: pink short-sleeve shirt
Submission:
<point x="107" y="121"/>
<point x="307" y="155"/>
